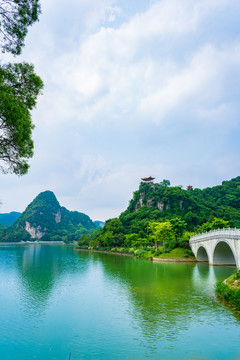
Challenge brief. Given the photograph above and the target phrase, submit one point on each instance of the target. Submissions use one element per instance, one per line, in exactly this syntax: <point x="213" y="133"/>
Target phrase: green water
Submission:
<point x="54" y="300"/>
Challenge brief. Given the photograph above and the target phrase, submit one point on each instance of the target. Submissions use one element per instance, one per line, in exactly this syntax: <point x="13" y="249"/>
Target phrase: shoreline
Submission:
<point x="174" y="260"/>
<point x="128" y="254"/>
<point x="104" y="251"/>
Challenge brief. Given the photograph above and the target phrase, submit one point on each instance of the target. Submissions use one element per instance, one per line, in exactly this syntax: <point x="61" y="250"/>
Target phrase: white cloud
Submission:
<point x="117" y="72"/>
<point x="130" y="96"/>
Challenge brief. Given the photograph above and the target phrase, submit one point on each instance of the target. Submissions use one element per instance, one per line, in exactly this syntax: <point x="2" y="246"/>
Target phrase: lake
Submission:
<point x="55" y="300"/>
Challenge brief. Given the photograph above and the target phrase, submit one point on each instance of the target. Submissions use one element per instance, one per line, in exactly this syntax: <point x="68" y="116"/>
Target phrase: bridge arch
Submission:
<point x="222" y="247"/>
<point x="223" y="253"/>
<point x="202" y="254"/>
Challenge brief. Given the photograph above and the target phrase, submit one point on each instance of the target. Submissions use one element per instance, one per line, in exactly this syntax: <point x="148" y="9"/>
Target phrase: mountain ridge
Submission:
<point x="44" y="219"/>
<point x="7" y="219"/>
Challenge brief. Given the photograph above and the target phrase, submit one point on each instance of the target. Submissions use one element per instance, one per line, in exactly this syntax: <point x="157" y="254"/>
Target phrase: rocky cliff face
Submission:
<point x="160" y="204"/>
<point x="58" y="216"/>
<point x="35" y="232"/>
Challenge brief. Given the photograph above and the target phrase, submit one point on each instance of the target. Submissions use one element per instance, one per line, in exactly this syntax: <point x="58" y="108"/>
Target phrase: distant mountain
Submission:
<point x="44" y="219"/>
<point x="99" y="223"/>
<point x="8" y="219"/>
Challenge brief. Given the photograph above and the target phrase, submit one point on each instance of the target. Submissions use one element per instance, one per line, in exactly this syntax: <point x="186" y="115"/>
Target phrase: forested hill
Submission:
<point x="160" y="202"/>
<point x="9" y="218"/>
<point x="45" y="219"/>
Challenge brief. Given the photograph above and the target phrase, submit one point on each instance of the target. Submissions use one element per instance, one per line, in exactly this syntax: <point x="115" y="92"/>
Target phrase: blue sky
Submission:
<point x="132" y="89"/>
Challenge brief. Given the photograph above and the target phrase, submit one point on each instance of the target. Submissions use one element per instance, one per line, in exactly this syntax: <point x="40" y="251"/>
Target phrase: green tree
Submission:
<point x="153" y="226"/>
<point x="219" y="224"/>
<point x="213" y="225"/>
<point x="129" y="239"/>
<point x="162" y="231"/>
<point x="84" y="240"/>
<point x="179" y="226"/>
<point x="19" y="88"/>
<point x="15" y="18"/>
<point x="107" y="239"/>
<point x="115" y="225"/>
<point x="165" y="183"/>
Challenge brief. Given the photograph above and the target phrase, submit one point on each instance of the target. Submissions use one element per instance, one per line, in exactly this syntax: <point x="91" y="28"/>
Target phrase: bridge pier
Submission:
<point x="217" y="247"/>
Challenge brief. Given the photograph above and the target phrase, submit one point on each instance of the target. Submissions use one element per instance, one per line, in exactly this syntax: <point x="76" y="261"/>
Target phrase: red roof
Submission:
<point x="148" y="178"/>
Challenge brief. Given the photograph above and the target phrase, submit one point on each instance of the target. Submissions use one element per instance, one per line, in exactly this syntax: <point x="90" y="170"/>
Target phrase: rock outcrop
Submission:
<point x="35" y="232"/>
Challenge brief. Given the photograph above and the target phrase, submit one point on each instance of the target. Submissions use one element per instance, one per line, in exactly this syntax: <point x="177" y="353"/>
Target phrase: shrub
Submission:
<point x="229" y="294"/>
<point x="237" y="274"/>
<point x="159" y="251"/>
<point x="139" y="252"/>
<point x="188" y="253"/>
<point x="83" y="246"/>
<point x="101" y="248"/>
<point x="148" y="254"/>
<point x="185" y="245"/>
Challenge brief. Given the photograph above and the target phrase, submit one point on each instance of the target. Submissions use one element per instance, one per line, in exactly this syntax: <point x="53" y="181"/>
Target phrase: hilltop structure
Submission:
<point x="148" y="179"/>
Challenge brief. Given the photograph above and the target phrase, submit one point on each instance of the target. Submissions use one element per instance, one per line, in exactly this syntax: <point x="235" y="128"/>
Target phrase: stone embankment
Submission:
<point x="173" y="260"/>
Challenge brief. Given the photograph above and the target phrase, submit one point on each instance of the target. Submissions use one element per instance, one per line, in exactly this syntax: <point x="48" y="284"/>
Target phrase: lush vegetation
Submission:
<point x="229" y="290"/>
<point x="163" y="217"/>
<point x="19" y="87"/>
<point x="9" y="218"/>
<point x="49" y="221"/>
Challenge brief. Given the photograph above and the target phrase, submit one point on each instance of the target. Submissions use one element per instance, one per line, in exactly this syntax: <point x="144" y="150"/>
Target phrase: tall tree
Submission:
<point x="179" y="226"/>
<point x="19" y="87"/>
<point x="162" y="231"/>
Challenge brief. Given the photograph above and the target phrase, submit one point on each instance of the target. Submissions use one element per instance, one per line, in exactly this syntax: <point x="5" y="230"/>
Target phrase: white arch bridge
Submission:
<point x="218" y="247"/>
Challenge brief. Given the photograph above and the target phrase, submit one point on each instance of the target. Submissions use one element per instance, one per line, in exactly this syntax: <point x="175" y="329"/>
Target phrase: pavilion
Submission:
<point x="148" y="179"/>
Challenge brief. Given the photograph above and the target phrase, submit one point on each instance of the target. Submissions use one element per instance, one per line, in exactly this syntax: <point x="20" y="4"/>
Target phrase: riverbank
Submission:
<point x="104" y="251"/>
<point x="175" y="255"/>
<point x="173" y="260"/>
<point x="229" y="289"/>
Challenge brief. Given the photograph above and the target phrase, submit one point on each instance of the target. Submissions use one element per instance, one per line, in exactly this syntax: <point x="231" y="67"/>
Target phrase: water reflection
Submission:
<point x="40" y="267"/>
<point x="155" y="293"/>
<point x="101" y="306"/>
<point x="166" y="299"/>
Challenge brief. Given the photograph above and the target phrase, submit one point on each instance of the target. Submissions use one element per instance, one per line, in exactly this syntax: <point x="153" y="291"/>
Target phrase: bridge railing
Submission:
<point x="230" y="233"/>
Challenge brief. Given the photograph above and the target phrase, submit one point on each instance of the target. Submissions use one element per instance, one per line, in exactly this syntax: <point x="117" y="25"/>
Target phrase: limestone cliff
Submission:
<point x="35" y="232"/>
<point x="151" y="195"/>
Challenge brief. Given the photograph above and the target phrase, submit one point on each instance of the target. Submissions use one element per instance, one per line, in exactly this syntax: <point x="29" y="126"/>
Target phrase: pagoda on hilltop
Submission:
<point x="148" y="179"/>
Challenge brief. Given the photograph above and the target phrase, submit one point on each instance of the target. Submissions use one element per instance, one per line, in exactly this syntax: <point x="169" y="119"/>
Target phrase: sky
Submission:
<point x="133" y="88"/>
